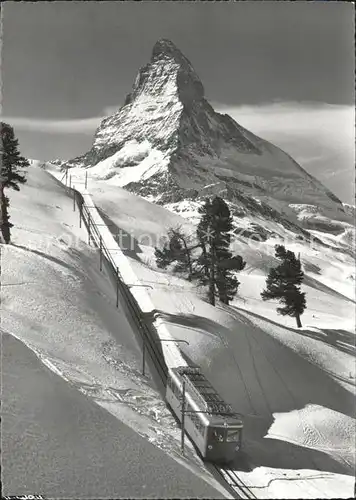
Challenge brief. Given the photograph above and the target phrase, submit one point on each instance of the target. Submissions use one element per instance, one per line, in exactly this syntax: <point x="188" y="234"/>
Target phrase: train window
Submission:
<point x="233" y="435"/>
<point x="218" y="435"/>
<point x="195" y="420"/>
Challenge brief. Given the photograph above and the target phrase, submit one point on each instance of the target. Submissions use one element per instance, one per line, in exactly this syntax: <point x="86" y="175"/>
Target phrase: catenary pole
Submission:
<point x="183" y="417"/>
<point x="101" y="253"/>
<point x="143" y="355"/>
<point x="117" y="287"/>
<point x="80" y="212"/>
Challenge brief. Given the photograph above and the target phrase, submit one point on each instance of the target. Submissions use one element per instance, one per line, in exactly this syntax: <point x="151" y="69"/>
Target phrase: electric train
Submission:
<point x="210" y="423"/>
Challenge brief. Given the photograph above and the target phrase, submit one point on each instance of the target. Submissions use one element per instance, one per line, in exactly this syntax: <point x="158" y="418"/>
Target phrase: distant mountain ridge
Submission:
<point x="167" y="144"/>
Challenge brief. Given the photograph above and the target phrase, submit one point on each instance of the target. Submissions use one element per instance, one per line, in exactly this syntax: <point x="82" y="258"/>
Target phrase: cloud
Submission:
<point x="79" y="126"/>
<point x="319" y="136"/>
<point x="85" y="126"/>
<point x="110" y="110"/>
<point x="307" y="127"/>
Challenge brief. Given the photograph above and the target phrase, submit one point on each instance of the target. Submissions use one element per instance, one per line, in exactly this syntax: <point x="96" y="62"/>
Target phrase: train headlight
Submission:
<point x="210" y="447"/>
<point x="237" y="448"/>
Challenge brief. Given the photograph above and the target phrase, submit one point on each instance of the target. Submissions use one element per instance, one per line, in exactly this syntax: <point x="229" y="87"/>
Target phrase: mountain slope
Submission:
<point x="167" y="142"/>
<point x="295" y="387"/>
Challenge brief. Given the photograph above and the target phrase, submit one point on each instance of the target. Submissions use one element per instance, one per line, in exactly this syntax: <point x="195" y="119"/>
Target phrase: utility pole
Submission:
<point x="143" y="355"/>
<point x="183" y="416"/>
<point x="80" y="212"/>
<point x="86" y="179"/>
<point x="101" y="253"/>
<point x="117" y="287"/>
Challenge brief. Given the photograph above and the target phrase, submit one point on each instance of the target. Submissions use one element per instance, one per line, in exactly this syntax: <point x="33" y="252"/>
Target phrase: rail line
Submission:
<point x="235" y="482"/>
<point x="228" y="475"/>
<point x="130" y="302"/>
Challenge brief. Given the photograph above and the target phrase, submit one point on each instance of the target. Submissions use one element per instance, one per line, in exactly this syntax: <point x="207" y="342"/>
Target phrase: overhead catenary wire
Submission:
<point x="122" y="287"/>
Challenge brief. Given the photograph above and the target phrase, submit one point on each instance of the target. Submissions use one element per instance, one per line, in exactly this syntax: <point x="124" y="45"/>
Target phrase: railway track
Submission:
<point x="235" y="483"/>
<point x="229" y="476"/>
<point x="130" y="302"/>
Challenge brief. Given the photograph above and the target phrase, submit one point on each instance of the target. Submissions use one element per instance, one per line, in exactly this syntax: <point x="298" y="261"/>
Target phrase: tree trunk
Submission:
<point x="206" y="270"/>
<point x="299" y="323"/>
<point x="187" y="252"/>
<point x="212" y="276"/>
<point x="5" y="225"/>
<point x="221" y="287"/>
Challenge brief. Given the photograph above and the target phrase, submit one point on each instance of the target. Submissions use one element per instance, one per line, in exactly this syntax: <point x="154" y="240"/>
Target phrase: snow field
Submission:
<point x="295" y="388"/>
<point x="56" y="301"/>
<point x="278" y="369"/>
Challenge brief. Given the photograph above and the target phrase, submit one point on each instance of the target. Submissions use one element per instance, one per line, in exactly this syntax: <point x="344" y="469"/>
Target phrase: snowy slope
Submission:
<point x="294" y="387"/>
<point x="55" y="300"/>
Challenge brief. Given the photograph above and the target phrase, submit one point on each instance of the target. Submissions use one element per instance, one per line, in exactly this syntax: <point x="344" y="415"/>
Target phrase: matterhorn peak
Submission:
<point x="168" y="71"/>
<point x="165" y="48"/>
<point x="168" y="143"/>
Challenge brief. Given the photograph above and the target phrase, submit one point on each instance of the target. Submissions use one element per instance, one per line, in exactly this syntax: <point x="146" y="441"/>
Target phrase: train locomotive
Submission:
<point x="211" y="424"/>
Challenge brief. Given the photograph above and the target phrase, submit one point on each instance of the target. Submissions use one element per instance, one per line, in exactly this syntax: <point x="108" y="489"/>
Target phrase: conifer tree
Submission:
<point x="219" y="266"/>
<point x="181" y="247"/>
<point x="163" y="257"/>
<point x="215" y="267"/>
<point x="177" y="250"/>
<point x="283" y="283"/>
<point x="11" y="175"/>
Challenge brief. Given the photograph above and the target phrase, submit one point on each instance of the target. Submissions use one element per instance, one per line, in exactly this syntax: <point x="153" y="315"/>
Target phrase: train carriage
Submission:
<point x="211" y="424"/>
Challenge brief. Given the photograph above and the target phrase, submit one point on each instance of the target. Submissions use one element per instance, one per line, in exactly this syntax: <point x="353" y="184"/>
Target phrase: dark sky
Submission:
<point x="72" y="60"/>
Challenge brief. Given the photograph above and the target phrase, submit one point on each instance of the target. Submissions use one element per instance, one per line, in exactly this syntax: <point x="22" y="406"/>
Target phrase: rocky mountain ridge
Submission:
<point x="167" y="144"/>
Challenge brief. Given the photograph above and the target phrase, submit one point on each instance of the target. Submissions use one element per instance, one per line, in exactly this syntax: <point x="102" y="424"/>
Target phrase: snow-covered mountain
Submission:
<point x="167" y="144"/>
<point x="294" y="387"/>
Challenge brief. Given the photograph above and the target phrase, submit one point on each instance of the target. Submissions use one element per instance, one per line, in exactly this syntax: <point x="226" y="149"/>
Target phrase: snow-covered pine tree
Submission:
<point x="11" y="175"/>
<point x="178" y="250"/>
<point x="163" y="257"/>
<point x="283" y="283"/>
<point x="214" y="235"/>
<point x="227" y="283"/>
<point x="181" y="246"/>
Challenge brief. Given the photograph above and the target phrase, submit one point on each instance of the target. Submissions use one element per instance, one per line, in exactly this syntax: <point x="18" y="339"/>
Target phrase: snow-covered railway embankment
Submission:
<point x="139" y="304"/>
<point x="162" y="349"/>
